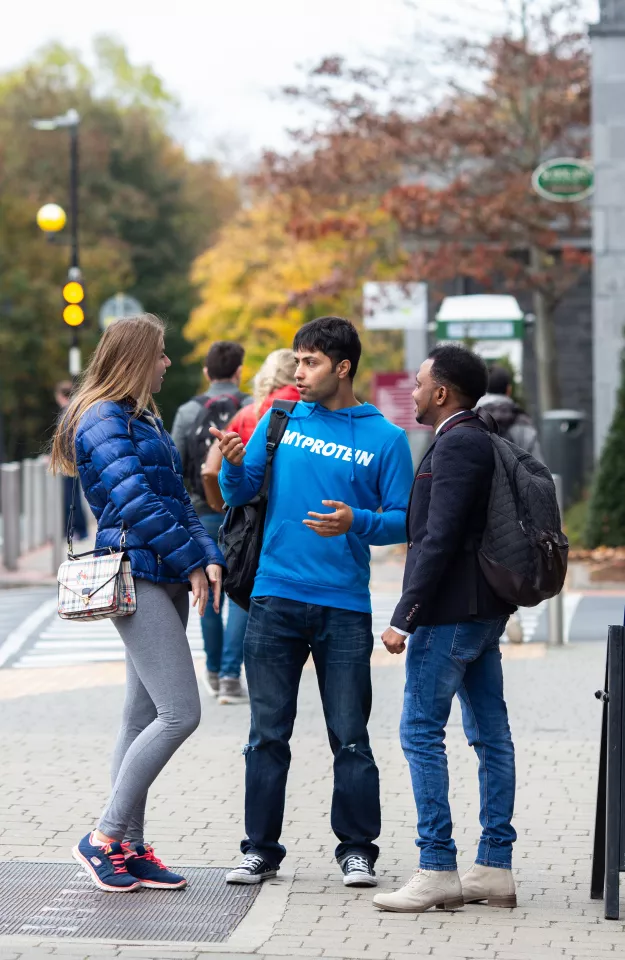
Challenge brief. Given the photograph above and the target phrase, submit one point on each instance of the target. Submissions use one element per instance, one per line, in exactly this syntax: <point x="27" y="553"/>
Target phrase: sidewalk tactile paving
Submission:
<point x="44" y="899"/>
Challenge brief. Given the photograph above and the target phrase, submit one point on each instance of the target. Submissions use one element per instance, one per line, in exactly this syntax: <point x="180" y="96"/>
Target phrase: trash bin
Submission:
<point x="562" y="443"/>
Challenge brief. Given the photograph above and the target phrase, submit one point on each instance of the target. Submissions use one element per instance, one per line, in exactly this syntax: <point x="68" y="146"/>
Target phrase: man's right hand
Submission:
<point x="231" y="446"/>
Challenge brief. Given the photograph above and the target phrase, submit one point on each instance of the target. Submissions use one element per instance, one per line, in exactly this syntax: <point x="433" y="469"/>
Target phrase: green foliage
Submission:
<point x="606" y="512"/>
<point x="575" y="523"/>
<point x="146" y="211"/>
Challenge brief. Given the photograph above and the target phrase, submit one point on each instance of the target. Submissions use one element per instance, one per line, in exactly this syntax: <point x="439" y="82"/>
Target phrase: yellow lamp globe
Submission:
<point x="51" y="218"/>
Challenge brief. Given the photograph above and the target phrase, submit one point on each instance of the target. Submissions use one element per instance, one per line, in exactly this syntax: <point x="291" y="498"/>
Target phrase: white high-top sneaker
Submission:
<point x="493" y="884"/>
<point x="427" y="888"/>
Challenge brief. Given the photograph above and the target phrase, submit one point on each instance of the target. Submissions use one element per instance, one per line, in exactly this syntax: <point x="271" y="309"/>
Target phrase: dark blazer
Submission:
<point x="445" y="522"/>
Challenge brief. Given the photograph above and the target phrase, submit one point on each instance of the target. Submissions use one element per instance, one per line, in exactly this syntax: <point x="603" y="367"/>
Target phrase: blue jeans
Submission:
<point x="462" y="659"/>
<point x="223" y="648"/>
<point x="280" y="636"/>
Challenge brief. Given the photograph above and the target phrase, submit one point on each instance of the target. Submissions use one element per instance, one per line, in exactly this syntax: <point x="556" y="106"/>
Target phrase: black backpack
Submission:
<point x="523" y="552"/>
<point x="241" y="536"/>
<point x="215" y="412"/>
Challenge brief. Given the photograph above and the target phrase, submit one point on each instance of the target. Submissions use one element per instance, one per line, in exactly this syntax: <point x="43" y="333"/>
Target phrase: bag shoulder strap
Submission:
<point x="275" y="431"/>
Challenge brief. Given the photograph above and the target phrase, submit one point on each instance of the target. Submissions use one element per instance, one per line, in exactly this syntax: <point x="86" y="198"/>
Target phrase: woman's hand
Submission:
<point x="214" y="574"/>
<point x="199" y="589"/>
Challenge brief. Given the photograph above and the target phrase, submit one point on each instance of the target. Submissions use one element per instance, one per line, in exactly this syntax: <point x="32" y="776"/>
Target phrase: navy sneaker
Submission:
<point x="358" y="872"/>
<point x="143" y="864"/>
<point x="105" y="865"/>
<point x="252" y="869"/>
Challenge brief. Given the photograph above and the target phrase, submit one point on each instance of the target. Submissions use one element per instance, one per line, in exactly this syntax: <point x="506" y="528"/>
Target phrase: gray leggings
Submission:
<point x="162" y="705"/>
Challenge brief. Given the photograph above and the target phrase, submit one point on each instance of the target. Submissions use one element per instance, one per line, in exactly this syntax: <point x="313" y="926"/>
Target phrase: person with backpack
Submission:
<point x="274" y="381"/>
<point x="513" y="422"/>
<point x="340" y="481"/>
<point x="191" y="433"/>
<point x="455" y="620"/>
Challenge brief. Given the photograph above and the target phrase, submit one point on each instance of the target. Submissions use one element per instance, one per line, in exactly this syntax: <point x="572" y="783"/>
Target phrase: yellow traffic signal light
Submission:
<point x="73" y="315"/>
<point x="73" y="294"/>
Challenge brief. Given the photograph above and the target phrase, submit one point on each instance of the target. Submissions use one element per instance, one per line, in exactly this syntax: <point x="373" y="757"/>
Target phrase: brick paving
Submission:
<point x="56" y="724"/>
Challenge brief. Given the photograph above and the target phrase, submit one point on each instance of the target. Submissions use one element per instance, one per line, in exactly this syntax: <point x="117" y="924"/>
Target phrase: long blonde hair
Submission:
<point x="120" y="369"/>
<point x="277" y="371"/>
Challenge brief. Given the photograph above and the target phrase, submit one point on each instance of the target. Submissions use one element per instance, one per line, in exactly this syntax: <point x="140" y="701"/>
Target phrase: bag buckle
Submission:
<point x="271" y="446"/>
<point x="122" y="540"/>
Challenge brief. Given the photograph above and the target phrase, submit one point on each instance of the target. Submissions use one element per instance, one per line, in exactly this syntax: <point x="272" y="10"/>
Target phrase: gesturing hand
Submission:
<point x="214" y="574"/>
<point x="394" y="642"/>
<point x="199" y="589"/>
<point x="230" y="444"/>
<point x="331" y="524"/>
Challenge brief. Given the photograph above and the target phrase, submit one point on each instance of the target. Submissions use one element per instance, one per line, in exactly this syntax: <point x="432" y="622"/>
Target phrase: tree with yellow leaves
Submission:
<point x="270" y="272"/>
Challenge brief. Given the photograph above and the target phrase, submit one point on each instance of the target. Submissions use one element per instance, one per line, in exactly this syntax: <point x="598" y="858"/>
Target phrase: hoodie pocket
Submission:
<point x="293" y="552"/>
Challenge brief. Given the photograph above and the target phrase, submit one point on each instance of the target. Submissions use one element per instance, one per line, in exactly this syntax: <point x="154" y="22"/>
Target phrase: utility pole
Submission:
<point x="71" y="121"/>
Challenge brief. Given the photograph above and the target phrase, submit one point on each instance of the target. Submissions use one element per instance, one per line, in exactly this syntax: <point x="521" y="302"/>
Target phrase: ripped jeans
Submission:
<point x="280" y="636"/>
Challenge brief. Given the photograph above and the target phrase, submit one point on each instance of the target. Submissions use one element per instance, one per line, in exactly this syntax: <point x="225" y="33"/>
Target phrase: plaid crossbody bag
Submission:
<point x="96" y="584"/>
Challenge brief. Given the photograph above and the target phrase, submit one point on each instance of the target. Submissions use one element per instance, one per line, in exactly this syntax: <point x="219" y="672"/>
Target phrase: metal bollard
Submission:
<point x="10" y="492"/>
<point x="556" y="604"/>
<point x="57" y="520"/>
<point x="51" y="486"/>
<point x="39" y="501"/>
<point x="28" y="467"/>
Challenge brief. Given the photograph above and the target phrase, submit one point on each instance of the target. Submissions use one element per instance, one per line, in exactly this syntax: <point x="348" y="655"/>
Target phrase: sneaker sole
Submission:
<point x="363" y="881"/>
<point x="155" y="885"/>
<point x="248" y="878"/>
<point x="77" y="855"/>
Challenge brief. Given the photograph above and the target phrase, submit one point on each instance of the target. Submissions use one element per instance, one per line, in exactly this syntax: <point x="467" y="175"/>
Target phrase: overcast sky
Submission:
<point x="225" y="58"/>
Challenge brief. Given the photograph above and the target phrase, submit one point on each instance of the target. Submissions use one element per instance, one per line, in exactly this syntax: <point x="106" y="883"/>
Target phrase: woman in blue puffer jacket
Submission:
<point x="111" y="435"/>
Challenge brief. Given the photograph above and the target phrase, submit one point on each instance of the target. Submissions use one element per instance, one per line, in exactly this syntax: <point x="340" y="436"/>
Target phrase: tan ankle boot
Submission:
<point x="427" y="888"/>
<point x="492" y="884"/>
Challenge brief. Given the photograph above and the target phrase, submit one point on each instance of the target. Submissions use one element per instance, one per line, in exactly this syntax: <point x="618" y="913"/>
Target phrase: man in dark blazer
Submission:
<point x="454" y="622"/>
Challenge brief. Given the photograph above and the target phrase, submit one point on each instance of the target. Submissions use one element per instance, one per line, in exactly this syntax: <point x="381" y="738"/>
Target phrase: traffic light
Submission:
<point x="73" y="295"/>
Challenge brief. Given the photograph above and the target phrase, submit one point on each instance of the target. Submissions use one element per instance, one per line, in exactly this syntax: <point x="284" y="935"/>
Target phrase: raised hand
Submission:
<point x="230" y="444"/>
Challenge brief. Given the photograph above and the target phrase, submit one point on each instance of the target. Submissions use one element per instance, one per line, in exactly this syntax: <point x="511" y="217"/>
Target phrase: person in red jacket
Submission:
<point x="274" y="381"/>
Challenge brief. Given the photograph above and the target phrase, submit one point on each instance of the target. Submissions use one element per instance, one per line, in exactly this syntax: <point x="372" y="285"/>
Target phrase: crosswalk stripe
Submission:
<point x="65" y="642"/>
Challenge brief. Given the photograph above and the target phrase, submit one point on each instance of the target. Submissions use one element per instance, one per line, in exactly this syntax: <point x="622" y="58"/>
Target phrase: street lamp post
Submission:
<point x="70" y="121"/>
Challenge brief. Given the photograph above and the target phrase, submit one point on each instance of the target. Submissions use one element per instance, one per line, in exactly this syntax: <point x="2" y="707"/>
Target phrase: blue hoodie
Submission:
<point x="353" y="455"/>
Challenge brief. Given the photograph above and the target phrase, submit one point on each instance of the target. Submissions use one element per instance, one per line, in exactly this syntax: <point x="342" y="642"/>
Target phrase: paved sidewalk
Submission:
<point x="58" y="726"/>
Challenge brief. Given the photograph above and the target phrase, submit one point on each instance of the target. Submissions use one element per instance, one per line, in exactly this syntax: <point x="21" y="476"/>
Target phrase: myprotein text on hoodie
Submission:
<point x="352" y="455"/>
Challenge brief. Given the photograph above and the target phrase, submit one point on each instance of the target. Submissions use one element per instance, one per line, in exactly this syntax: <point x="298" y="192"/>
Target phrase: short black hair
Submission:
<point x="499" y="380"/>
<point x="334" y="336"/>
<point x="460" y="369"/>
<point x="224" y="359"/>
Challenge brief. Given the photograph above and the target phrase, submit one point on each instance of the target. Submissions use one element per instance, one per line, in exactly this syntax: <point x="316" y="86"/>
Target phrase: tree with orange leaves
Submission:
<point x="455" y="179"/>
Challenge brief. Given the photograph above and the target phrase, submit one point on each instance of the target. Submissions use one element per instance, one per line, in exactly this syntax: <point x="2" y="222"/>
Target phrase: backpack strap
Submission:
<point x="275" y="431"/>
<point x="487" y="423"/>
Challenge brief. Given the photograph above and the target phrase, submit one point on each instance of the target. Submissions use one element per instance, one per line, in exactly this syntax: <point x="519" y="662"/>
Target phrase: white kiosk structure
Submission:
<point x="493" y="325"/>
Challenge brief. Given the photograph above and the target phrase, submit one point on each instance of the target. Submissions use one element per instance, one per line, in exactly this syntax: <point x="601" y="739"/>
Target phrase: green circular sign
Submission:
<point x="564" y="180"/>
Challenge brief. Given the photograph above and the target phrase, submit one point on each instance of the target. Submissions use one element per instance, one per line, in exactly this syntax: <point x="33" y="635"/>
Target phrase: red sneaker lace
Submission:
<point x="149" y="855"/>
<point x="117" y="859"/>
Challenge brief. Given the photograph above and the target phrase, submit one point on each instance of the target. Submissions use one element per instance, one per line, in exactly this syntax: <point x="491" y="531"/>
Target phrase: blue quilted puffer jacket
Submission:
<point x="132" y="476"/>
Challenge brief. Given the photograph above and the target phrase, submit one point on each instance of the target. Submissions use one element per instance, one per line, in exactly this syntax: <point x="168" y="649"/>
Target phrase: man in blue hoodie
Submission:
<point x="311" y="593"/>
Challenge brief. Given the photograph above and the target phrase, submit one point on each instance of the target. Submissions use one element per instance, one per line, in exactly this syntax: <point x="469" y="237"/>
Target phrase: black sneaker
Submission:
<point x="252" y="869"/>
<point x="358" y="872"/>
